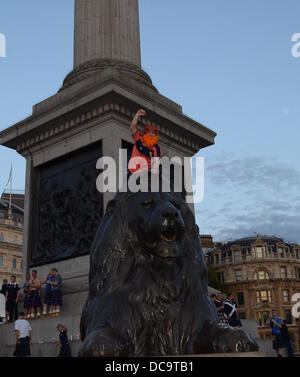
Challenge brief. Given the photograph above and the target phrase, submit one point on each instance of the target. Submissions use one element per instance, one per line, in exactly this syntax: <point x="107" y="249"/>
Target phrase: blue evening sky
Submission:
<point x="228" y="63"/>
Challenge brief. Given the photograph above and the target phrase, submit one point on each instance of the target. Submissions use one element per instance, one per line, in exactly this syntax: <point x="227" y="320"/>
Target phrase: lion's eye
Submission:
<point x="147" y="203"/>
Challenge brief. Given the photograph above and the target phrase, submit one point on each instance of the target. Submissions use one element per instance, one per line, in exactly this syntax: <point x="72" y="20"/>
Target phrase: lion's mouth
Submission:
<point x="168" y="237"/>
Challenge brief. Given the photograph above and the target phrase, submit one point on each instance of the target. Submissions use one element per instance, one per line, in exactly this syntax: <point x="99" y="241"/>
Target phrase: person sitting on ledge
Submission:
<point x="26" y="290"/>
<point x="56" y="294"/>
<point x="145" y="145"/>
<point x="48" y="293"/>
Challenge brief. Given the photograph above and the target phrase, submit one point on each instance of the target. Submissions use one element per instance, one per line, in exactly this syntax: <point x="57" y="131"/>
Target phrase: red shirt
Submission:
<point x="140" y="150"/>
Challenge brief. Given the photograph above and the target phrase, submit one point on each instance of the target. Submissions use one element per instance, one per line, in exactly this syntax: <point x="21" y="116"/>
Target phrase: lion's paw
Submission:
<point x="99" y="344"/>
<point x="231" y="339"/>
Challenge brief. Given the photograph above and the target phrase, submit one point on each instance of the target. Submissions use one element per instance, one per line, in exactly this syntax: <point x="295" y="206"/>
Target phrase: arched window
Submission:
<point x="263" y="296"/>
<point x="261" y="275"/>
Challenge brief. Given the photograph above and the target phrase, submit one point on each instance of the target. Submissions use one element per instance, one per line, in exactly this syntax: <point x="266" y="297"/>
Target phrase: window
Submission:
<point x="281" y="252"/>
<point x="217" y="258"/>
<point x="262" y="318"/>
<point x="220" y="277"/>
<point x="288" y="317"/>
<point x="1" y="237"/>
<point x="240" y="298"/>
<point x="14" y="263"/>
<point x="237" y="255"/>
<point x="16" y="239"/>
<point x="238" y="275"/>
<point x="297" y="254"/>
<point x="261" y="275"/>
<point x="242" y="315"/>
<point x="263" y="296"/>
<point x="286" y="295"/>
<point x="1" y="260"/>
<point x="283" y="272"/>
<point x="259" y="252"/>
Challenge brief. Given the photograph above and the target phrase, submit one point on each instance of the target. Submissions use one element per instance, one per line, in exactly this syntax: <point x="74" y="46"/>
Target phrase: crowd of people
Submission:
<point x="281" y="338"/>
<point x="33" y="307"/>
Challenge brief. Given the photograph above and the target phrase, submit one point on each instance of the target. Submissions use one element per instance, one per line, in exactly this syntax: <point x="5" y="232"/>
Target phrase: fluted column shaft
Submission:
<point x="107" y="29"/>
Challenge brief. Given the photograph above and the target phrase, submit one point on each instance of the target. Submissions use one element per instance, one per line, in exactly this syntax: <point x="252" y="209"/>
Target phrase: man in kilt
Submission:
<point x="26" y="290"/>
<point x="23" y="337"/>
<point x="48" y="294"/>
<point x="35" y="298"/>
<point x="56" y="294"/>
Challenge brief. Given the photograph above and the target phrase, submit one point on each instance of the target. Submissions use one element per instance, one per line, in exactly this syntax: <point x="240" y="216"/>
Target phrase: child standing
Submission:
<point x="65" y="350"/>
<point x="145" y="145"/>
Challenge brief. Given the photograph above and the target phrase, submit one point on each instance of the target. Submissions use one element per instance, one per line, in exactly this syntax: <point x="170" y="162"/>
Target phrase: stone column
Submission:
<point x="107" y="29"/>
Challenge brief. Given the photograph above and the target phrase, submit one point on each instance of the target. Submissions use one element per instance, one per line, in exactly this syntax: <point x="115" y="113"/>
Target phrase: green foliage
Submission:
<point x="212" y="281"/>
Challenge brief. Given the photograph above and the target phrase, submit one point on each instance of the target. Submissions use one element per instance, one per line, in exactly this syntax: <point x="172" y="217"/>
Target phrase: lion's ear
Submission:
<point x="111" y="205"/>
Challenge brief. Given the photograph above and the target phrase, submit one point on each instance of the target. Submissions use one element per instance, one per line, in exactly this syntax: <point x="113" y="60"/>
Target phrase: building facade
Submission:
<point x="263" y="273"/>
<point x="11" y="238"/>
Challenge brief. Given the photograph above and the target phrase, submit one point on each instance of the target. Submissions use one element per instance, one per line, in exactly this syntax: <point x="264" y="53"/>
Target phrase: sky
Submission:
<point x="229" y="64"/>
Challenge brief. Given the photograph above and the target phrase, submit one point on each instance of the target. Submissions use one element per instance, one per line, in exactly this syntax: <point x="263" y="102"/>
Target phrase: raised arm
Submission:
<point x="140" y="113"/>
<point x="276" y="323"/>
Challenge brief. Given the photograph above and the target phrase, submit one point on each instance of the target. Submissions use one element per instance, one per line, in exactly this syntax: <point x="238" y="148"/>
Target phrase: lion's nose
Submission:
<point x="170" y="214"/>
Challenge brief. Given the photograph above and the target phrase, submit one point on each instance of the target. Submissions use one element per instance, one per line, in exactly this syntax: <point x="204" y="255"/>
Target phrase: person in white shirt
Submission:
<point x="23" y="336"/>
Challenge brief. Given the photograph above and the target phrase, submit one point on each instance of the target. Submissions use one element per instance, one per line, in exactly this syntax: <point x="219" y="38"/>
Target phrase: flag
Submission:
<point x="10" y="176"/>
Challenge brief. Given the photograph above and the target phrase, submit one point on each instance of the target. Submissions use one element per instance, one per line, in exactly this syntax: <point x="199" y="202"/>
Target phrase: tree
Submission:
<point x="212" y="281"/>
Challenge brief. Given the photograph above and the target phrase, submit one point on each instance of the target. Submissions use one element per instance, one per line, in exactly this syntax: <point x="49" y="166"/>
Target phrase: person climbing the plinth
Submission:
<point x="145" y="146"/>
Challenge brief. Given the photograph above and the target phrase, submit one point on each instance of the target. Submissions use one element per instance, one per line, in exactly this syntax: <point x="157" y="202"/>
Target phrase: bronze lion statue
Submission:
<point x="148" y="284"/>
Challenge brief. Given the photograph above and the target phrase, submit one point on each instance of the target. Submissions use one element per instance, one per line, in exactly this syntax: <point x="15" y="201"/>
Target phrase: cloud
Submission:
<point x="252" y="194"/>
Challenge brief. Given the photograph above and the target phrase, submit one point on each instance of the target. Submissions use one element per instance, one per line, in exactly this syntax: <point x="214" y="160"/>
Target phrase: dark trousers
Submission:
<point x="12" y="309"/>
<point x="65" y="351"/>
<point x="289" y="348"/>
<point x="23" y="347"/>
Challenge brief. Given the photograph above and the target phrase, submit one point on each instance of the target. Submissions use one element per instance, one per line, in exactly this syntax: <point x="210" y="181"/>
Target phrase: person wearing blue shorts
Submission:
<point x="56" y="294"/>
<point x="48" y="294"/>
<point x="276" y="325"/>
